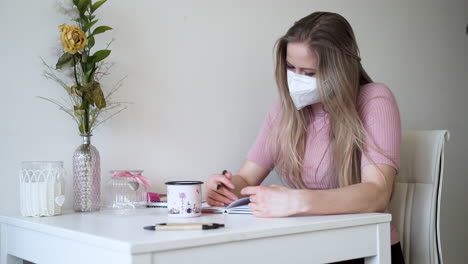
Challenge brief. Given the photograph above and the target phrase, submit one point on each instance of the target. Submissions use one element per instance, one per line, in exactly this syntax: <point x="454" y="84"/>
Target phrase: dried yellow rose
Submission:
<point x="73" y="38"/>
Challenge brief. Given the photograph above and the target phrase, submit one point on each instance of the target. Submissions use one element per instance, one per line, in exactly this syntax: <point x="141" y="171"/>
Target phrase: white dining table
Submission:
<point x="117" y="236"/>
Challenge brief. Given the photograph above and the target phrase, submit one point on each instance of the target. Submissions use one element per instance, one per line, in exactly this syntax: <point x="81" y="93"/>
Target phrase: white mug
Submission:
<point x="184" y="198"/>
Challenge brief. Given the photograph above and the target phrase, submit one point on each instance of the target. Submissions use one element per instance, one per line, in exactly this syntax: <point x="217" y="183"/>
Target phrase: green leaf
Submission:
<point x="87" y="26"/>
<point x="91" y="42"/>
<point x="83" y="5"/>
<point x="65" y="60"/>
<point x="84" y="20"/>
<point x="76" y="2"/>
<point x="98" y="96"/>
<point x="88" y="73"/>
<point x="90" y="64"/>
<point x="100" y="55"/>
<point x="97" y="5"/>
<point x="92" y="17"/>
<point x="101" y="29"/>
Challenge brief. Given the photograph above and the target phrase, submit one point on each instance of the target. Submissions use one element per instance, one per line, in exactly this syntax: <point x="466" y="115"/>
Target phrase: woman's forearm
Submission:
<point x="239" y="183"/>
<point x="250" y="174"/>
<point x="357" y="198"/>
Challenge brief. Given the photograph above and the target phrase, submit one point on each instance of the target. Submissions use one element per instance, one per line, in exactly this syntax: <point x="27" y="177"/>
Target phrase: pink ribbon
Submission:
<point x="138" y="177"/>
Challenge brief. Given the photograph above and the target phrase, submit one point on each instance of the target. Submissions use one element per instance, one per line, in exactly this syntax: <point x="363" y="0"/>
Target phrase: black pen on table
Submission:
<point x="183" y="226"/>
<point x="220" y="184"/>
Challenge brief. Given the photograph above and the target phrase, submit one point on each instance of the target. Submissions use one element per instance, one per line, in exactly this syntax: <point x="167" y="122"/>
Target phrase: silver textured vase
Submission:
<point x="86" y="177"/>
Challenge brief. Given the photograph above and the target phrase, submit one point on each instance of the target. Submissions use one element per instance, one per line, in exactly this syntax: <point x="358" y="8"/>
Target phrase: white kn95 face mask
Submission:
<point x="303" y="89"/>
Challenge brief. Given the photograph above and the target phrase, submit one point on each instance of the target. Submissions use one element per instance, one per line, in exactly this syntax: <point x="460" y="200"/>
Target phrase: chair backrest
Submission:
<point x="415" y="204"/>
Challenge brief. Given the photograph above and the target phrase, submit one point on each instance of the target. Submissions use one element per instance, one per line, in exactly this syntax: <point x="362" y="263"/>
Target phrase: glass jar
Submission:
<point x="41" y="188"/>
<point x="125" y="191"/>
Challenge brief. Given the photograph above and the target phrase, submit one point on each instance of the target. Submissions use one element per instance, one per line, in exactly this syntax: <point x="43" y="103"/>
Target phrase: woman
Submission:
<point x="334" y="135"/>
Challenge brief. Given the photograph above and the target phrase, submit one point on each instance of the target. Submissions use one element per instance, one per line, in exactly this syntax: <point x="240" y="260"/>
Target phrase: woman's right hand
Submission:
<point x="219" y="190"/>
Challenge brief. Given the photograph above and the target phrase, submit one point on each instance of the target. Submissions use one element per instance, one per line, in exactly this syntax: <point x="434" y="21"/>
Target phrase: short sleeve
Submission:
<point x="380" y="117"/>
<point x="261" y="152"/>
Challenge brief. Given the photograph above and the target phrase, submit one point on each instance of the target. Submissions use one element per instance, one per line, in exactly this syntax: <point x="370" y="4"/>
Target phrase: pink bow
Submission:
<point x="138" y="177"/>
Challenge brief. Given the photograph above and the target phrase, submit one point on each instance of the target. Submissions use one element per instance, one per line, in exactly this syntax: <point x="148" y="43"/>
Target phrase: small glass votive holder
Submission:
<point x="125" y="191"/>
<point x="41" y="188"/>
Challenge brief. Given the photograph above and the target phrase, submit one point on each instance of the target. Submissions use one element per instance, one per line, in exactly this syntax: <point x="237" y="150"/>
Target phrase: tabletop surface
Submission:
<point x="122" y="230"/>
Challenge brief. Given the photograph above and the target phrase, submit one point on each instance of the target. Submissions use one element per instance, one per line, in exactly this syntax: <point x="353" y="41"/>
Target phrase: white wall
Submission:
<point x="200" y="77"/>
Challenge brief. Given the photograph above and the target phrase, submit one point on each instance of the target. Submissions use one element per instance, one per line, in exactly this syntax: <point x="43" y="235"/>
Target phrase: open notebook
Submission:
<point x="240" y="206"/>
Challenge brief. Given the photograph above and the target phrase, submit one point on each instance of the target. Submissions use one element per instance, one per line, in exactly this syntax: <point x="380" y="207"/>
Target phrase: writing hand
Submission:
<point x="218" y="190"/>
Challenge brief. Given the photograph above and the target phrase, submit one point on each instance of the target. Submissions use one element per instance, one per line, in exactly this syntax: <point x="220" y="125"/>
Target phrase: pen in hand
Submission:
<point x="220" y="184"/>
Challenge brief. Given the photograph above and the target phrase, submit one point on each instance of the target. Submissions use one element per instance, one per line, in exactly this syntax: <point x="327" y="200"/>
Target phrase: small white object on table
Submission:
<point x="109" y="237"/>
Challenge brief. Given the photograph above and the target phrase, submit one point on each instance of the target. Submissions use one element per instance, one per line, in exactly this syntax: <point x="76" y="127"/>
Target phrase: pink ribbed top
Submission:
<point x="380" y="117"/>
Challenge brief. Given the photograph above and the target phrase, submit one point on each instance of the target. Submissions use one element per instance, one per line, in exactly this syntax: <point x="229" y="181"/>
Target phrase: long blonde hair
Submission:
<point x="339" y="77"/>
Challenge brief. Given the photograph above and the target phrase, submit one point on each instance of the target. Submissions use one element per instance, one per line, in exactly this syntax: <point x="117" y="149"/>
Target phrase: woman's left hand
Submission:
<point x="272" y="201"/>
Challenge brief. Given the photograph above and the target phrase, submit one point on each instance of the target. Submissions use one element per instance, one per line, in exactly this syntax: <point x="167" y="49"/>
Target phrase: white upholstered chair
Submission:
<point x="415" y="203"/>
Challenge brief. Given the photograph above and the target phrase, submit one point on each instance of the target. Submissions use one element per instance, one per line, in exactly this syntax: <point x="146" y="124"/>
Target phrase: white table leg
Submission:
<point x="383" y="250"/>
<point x="4" y="257"/>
